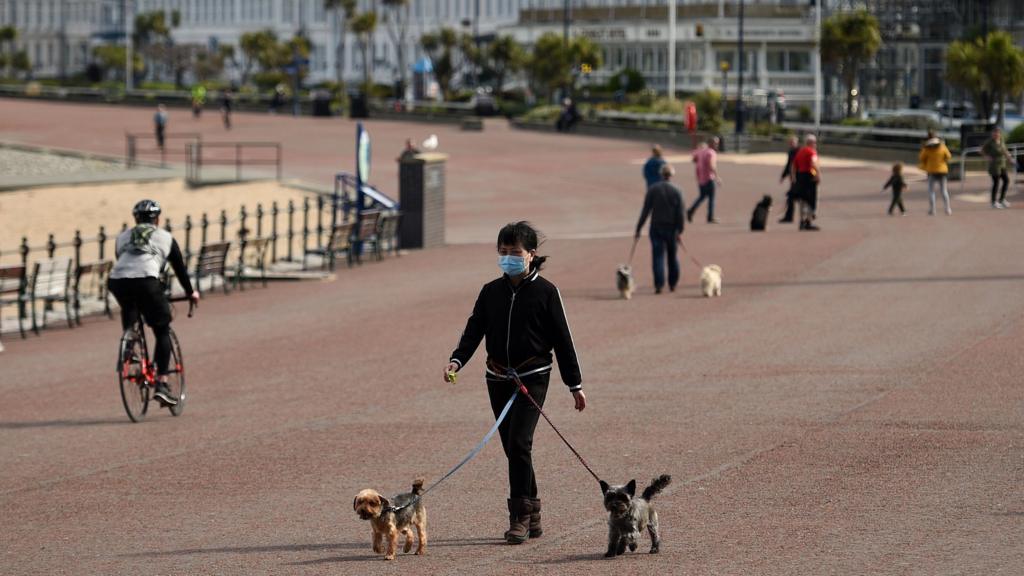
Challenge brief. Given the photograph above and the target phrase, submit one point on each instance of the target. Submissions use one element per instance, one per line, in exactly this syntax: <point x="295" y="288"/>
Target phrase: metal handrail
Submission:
<point x="1016" y="149"/>
<point x="196" y="160"/>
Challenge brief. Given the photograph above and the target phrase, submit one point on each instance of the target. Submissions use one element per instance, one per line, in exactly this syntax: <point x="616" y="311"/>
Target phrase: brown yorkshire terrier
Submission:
<point x="388" y="519"/>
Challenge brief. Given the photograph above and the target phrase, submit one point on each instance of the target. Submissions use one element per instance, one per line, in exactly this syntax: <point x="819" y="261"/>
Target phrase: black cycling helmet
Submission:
<point x="146" y="211"/>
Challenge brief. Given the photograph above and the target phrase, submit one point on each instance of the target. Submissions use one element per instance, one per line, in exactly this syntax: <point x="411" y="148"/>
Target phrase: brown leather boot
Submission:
<point x="518" y="520"/>
<point x="535" y="529"/>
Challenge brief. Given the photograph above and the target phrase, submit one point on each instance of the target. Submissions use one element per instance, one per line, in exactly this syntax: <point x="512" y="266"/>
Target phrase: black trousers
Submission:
<point x="516" y="431"/>
<point x="146" y="295"/>
<point x="995" y="185"/>
<point x="790" y="202"/>
<point x="897" y="200"/>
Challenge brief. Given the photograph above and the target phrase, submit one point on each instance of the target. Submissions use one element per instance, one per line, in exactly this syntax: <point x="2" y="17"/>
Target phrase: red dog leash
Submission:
<point x="514" y="376"/>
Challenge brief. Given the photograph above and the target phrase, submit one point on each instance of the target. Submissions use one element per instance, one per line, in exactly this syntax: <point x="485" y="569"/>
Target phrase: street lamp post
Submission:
<point x="724" y="67"/>
<point x="739" y="80"/>
<point x="566" y="18"/>
<point x="128" y="58"/>
<point x="817" y="66"/>
<point x="671" y="50"/>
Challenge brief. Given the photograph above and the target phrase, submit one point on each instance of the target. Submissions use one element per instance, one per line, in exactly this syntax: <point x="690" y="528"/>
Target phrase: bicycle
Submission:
<point x="136" y="372"/>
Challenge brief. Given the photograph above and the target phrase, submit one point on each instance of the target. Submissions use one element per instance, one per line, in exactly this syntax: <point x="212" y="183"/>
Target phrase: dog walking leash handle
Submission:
<point x="636" y="239"/>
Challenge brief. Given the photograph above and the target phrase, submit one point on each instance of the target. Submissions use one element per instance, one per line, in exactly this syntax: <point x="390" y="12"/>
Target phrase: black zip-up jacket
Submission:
<point x="522" y="324"/>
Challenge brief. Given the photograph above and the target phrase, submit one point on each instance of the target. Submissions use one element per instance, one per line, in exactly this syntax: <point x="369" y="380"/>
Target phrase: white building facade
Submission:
<point x="778" y="42"/>
<point x="49" y="28"/>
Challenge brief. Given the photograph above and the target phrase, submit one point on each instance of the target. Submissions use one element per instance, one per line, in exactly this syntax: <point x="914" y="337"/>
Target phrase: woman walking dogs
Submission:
<point x="522" y="317"/>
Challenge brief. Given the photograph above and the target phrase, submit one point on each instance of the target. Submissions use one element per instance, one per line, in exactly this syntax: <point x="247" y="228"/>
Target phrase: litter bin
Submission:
<point x="357" y="106"/>
<point x="321" y="103"/>
<point x="421" y="195"/>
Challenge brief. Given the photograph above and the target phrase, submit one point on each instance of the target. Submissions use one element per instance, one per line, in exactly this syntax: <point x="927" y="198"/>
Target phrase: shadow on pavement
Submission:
<point x="855" y="281"/>
<point x="377" y="557"/>
<point x="251" y="549"/>
<point x="61" y="423"/>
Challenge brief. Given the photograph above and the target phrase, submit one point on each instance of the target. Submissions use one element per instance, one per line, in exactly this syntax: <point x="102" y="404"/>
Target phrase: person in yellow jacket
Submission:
<point x="934" y="160"/>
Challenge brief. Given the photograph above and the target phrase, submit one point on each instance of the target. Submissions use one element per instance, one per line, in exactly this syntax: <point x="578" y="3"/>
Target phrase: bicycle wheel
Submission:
<point x="134" y="389"/>
<point x="176" y="377"/>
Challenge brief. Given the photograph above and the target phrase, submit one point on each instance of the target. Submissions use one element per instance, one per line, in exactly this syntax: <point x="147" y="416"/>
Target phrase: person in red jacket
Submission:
<point x="808" y="177"/>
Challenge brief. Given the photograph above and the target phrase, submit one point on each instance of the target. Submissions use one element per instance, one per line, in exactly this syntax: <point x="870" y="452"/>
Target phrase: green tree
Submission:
<point x="110" y="57"/>
<point x="8" y="34"/>
<point x="363" y="26"/>
<point x="338" y="9"/>
<point x="21" y="63"/>
<point x="397" y="20"/>
<point x="848" y="40"/>
<point x="441" y="48"/>
<point x="257" y="48"/>
<point x="551" y="65"/>
<point x="991" y="69"/>
<point x="505" y="57"/>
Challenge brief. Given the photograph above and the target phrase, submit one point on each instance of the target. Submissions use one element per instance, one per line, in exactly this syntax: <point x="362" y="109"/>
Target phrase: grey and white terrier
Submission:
<point x="629" y="515"/>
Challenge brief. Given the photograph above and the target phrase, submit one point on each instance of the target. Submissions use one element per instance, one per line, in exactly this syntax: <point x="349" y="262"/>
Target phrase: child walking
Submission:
<point x="898" y="185"/>
<point x="521" y="316"/>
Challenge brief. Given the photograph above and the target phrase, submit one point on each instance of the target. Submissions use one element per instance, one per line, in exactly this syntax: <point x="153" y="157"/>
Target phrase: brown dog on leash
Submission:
<point x="388" y="520"/>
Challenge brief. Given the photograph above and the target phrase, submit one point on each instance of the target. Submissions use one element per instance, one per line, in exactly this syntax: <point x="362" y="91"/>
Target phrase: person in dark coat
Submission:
<point x="788" y="174"/>
<point x="664" y="205"/>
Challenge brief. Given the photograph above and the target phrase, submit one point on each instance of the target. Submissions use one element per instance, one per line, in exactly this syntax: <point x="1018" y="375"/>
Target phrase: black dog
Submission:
<point x="759" y="221"/>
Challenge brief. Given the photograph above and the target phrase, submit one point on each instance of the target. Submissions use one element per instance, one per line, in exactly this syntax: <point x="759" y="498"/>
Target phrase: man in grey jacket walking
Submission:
<point x="664" y="204"/>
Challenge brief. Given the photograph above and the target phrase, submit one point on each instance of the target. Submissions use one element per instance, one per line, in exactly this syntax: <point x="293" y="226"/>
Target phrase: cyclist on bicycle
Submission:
<point x="142" y="253"/>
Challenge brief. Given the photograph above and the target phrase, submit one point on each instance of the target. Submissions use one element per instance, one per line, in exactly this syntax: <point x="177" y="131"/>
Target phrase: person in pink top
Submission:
<point x="705" y="159"/>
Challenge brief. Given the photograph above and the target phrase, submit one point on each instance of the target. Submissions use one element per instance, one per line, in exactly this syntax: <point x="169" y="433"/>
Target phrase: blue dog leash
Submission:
<point x="472" y="454"/>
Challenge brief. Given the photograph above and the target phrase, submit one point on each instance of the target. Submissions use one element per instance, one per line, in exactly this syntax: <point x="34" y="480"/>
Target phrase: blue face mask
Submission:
<point x="512" y="265"/>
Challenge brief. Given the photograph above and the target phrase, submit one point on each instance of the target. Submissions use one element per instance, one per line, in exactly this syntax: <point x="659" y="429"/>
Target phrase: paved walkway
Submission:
<point x="851" y="405"/>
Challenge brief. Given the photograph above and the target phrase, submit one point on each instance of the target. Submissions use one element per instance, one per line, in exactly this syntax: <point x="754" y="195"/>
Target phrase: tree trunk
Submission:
<point x="364" y="47"/>
<point x="1002" y="109"/>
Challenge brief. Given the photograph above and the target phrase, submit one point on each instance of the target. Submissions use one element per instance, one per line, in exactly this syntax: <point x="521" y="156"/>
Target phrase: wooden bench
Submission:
<point x="339" y="241"/>
<point x="95" y="276"/>
<point x="51" y="282"/>
<point x="14" y="290"/>
<point x="252" y="259"/>
<point x="367" y="232"/>
<point x="211" y="262"/>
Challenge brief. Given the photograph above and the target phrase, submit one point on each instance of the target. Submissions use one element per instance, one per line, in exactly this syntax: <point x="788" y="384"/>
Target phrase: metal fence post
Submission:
<point x="273" y="231"/>
<point x="167" y="225"/>
<point x="291" y="230"/>
<point x="280" y="158"/>
<point x="51" y="246"/>
<point x="23" y="249"/>
<point x="305" y="227"/>
<point x="223" y="224"/>
<point x="243" y="215"/>
<point x="319" y="221"/>
<point x="188" y="239"/>
<point x="77" y="243"/>
<point x="259" y="220"/>
<point x="238" y="162"/>
<point x="204" y="223"/>
<point x="101" y="241"/>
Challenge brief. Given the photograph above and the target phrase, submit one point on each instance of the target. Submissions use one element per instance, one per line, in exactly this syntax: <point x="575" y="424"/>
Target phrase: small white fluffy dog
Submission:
<point x="711" y="281"/>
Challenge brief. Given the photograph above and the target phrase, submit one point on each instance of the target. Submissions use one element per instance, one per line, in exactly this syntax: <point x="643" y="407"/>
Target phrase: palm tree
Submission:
<point x="398" y="23"/>
<point x="507" y="57"/>
<point x="339" y="8"/>
<point x="990" y="68"/>
<point x="848" y="40"/>
<point x="364" y="25"/>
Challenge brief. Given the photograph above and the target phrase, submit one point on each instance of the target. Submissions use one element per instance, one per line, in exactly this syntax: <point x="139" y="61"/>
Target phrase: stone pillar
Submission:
<point x="421" y="190"/>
